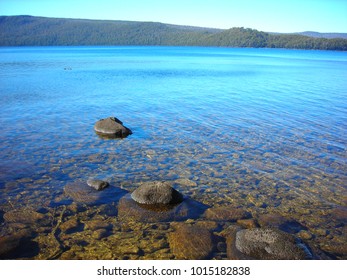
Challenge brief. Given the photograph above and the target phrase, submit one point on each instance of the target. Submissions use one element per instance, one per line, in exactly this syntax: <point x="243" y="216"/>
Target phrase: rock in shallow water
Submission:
<point x="26" y="216"/>
<point x="130" y="210"/>
<point x="81" y="192"/>
<point x="156" y="193"/>
<point x="269" y="244"/>
<point x="273" y="220"/>
<point x="191" y="242"/>
<point x="111" y="127"/>
<point x="97" y="184"/>
<point x="226" y="214"/>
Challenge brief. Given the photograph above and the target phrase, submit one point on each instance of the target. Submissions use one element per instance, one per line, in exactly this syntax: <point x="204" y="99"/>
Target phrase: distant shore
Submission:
<point x="41" y="31"/>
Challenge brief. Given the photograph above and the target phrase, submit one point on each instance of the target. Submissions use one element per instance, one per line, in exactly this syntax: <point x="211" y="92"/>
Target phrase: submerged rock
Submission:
<point x="71" y="226"/>
<point x="226" y="214"/>
<point x="191" y="242"/>
<point x="186" y="182"/>
<point x="97" y="184"/>
<point x="111" y="127"/>
<point x="81" y="192"/>
<point x="267" y="244"/>
<point x="130" y="210"/>
<point x="156" y="193"/>
<point x="277" y="221"/>
<point x="26" y="216"/>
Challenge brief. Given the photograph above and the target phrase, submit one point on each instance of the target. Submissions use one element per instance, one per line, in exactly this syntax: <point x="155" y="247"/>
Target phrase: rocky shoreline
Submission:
<point x="99" y="220"/>
<point x="189" y="229"/>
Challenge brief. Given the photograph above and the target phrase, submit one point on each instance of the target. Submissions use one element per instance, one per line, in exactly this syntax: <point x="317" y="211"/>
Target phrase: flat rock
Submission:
<point x="191" y="242"/>
<point x="97" y="224"/>
<point x="186" y="182"/>
<point x="226" y="214"/>
<point x="130" y="210"/>
<point x="71" y="226"/>
<point x="97" y="184"/>
<point x="100" y="233"/>
<point x="156" y="192"/>
<point x="269" y="244"/>
<point x="26" y="216"/>
<point x="111" y="127"/>
<point x="277" y="221"/>
<point x="82" y="193"/>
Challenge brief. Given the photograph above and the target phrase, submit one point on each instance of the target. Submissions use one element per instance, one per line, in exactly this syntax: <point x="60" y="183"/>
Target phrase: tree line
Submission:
<point x="40" y="31"/>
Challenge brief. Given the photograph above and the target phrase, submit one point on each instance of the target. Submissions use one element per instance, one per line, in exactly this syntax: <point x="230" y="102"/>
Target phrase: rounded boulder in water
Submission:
<point x="270" y="244"/>
<point x="156" y="192"/>
<point x="111" y="127"/>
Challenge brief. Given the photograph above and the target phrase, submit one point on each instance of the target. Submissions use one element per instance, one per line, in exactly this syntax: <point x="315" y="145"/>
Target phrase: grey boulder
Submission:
<point x="156" y="192"/>
<point x="111" y="127"/>
<point x="270" y="244"/>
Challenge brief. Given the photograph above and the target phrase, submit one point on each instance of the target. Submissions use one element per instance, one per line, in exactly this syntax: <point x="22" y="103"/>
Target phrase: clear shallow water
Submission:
<point x="262" y="129"/>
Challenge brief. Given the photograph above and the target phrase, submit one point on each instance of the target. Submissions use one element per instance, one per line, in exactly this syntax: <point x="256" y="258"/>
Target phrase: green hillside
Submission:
<point x="40" y="31"/>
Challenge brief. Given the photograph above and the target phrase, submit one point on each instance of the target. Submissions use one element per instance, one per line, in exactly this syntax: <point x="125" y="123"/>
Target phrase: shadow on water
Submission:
<point x="17" y="246"/>
<point x="292" y="227"/>
<point x="1" y="216"/>
<point x="80" y="192"/>
<point x="130" y="210"/>
<point x="110" y="136"/>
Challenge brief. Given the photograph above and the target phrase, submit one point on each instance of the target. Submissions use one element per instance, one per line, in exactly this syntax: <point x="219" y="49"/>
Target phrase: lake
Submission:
<point x="262" y="130"/>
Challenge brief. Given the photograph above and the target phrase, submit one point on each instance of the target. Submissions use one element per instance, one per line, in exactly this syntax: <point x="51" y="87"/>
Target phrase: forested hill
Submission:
<point x="40" y="31"/>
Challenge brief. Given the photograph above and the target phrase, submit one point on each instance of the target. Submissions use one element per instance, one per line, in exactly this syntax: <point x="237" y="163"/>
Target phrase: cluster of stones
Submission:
<point x="158" y="201"/>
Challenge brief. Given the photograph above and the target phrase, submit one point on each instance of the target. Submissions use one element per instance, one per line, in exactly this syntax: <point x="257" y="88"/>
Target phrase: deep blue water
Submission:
<point x="237" y="120"/>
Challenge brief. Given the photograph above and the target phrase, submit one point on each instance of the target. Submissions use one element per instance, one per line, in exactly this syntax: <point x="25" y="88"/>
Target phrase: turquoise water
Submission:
<point x="260" y="128"/>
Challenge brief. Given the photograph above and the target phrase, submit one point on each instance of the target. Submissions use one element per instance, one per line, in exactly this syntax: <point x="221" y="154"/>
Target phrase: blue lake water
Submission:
<point x="262" y="129"/>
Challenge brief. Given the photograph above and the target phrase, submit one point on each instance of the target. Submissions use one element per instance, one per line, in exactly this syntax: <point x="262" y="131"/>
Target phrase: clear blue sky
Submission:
<point x="264" y="15"/>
